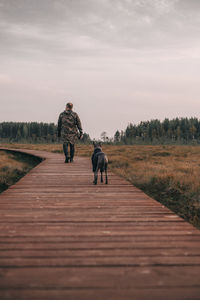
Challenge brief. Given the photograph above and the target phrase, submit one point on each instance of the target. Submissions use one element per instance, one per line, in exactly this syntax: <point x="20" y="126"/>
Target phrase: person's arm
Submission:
<point x="59" y="125"/>
<point x="78" y="124"/>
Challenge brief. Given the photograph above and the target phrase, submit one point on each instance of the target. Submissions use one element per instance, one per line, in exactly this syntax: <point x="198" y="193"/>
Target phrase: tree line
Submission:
<point x="178" y="130"/>
<point x="31" y="132"/>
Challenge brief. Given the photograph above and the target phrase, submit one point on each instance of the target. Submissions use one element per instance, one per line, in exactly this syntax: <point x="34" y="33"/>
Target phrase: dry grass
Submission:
<point x="170" y="174"/>
<point x="12" y="168"/>
<point x="42" y="147"/>
<point x="8" y="160"/>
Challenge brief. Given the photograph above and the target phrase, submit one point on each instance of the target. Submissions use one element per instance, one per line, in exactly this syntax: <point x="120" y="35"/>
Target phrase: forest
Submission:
<point x="175" y="131"/>
<point x="33" y="132"/>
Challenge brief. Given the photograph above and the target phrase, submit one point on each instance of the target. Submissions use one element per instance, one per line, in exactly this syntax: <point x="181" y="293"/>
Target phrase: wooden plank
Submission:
<point x="100" y="277"/>
<point x="99" y="294"/>
<point x="57" y="250"/>
<point x="120" y="261"/>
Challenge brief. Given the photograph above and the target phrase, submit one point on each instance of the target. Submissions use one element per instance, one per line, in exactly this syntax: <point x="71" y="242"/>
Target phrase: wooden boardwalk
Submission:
<point x="63" y="238"/>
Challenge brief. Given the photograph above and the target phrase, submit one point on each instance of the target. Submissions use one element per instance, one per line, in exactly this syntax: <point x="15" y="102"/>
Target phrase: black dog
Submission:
<point x="99" y="162"/>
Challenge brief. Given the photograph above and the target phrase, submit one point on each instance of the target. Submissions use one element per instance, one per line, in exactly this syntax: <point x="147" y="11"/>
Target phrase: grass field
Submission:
<point x="13" y="167"/>
<point x="169" y="174"/>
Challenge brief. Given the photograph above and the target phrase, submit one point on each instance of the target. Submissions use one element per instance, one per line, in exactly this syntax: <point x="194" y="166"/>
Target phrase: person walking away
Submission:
<point x="68" y="126"/>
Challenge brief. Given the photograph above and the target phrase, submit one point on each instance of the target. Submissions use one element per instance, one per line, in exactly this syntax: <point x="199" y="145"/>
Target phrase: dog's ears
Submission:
<point x="97" y="144"/>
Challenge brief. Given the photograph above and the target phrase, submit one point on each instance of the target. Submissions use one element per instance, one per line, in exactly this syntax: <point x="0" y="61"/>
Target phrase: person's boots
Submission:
<point x="66" y="160"/>
<point x="71" y="159"/>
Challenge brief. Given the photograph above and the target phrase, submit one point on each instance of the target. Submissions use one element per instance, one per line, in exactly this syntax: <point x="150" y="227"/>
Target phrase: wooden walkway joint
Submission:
<point x="63" y="238"/>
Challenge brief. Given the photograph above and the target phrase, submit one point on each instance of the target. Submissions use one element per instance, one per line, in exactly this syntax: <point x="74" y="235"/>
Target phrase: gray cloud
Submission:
<point x="88" y="26"/>
<point x="136" y="53"/>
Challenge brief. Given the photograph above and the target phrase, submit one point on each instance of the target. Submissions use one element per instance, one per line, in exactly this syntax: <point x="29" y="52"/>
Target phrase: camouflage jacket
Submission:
<point x="68" y="125"/>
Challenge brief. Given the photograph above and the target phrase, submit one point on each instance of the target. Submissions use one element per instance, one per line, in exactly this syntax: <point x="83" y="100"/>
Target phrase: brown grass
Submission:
<point x="170" y="174"/>
<point x="12" y="168"/>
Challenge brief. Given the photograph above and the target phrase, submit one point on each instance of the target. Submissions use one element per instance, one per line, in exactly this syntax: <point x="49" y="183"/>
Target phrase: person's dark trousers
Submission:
<point x="72" y="149"/>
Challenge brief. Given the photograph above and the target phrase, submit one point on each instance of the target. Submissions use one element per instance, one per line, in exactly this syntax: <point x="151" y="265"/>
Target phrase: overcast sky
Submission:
<point x="118" y="61"/>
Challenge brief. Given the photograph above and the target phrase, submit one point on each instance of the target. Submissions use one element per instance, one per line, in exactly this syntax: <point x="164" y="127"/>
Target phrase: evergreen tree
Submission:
<point x="117" y="136"/>
<point x="32" y="132"/>
<point x="181" y="130"/>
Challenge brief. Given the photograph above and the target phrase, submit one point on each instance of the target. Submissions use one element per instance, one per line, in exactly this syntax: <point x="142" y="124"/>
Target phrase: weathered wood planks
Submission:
<point x="63" y="238"/>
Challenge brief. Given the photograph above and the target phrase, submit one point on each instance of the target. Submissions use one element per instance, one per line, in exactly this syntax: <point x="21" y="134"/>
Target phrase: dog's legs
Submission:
<point x="97" y="169"/>
<point x="106" y="174"/>
<point x="96" y="176"/>
<point x="101" y="176"/>
<point x="106" y="178"/>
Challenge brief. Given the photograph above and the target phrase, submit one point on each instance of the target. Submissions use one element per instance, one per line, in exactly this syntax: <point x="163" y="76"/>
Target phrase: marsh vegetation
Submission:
<point x="13" y="166"/>
<point x="169" y="174"/>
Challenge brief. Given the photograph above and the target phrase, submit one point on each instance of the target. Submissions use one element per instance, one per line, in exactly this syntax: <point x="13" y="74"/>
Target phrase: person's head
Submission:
<point x="69" y="106"/>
